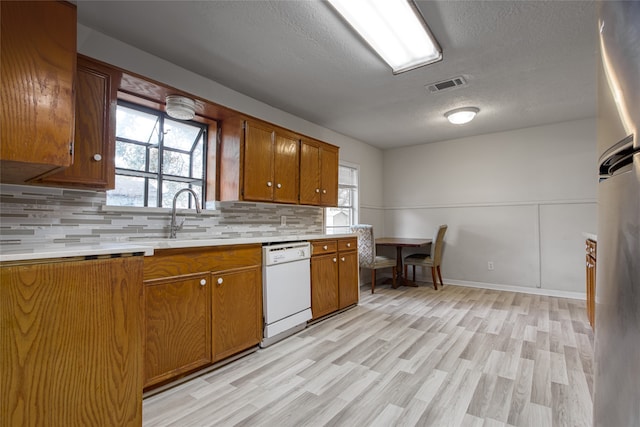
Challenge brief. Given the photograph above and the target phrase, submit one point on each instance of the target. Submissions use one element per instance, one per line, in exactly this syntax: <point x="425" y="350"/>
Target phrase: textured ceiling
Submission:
<point x="527" y="63"/>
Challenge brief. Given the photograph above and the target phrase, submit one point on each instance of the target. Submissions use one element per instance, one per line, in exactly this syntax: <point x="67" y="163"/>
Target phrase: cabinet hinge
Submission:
<point x="71" y="148"/>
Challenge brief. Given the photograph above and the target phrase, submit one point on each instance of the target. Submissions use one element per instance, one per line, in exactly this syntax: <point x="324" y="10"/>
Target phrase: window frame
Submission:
<point x="355" y="201"/>
<point x="160" y="176"/>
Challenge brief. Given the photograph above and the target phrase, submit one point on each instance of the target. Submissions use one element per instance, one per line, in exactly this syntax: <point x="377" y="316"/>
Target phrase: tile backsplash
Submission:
<point x="31" y="215"/>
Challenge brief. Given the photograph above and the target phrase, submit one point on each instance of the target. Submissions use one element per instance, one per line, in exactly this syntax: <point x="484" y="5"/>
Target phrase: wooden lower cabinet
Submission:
<point x="348" y="278"/>
<point x="334" y="275"/>
<point x="71" y="343"/>
<point x="324" y="285"/>
<point x="591" y="280"/>
<point x="201" y="305"/>
<point x="237" y="311"/>
<point x="177" y="326"/>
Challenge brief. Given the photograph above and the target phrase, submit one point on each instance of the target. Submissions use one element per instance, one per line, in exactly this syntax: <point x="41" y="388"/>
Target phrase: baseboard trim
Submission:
<point x="520" y="289"/>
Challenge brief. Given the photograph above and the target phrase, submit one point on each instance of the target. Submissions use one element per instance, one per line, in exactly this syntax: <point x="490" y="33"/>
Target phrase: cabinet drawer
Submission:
<point x="177" y="262"/>
<point x="347" y="244"/>
<point x="319" y="247"/>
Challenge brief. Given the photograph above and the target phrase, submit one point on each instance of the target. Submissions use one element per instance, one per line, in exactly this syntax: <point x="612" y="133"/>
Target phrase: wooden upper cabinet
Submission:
<point x="329" y="175"/>
<point x="258" y="162"/>
<point x="318" y="173"/>
<point x="270" y="164"/>
<point x="94" y="154"/>
<point x="286" y="169"/>
<point x="38" y="62"/>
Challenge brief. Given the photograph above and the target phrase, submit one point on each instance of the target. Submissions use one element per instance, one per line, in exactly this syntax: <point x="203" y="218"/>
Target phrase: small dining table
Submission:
<point x="399" y="243"/>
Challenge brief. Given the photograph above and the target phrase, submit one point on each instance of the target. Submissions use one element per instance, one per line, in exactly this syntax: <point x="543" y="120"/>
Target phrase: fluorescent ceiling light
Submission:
<point x="461" y="116"/>
<point x="394" y="28"/>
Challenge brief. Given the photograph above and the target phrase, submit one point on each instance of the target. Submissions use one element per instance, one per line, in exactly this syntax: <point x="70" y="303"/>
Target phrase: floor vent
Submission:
<point x="446" y="84"/>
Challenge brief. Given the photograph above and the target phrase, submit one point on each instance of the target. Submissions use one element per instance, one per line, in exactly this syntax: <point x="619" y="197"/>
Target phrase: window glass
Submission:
<point x="180" y="135"/>
<point x="174" y="163"/>
<point x="136" y="125"/>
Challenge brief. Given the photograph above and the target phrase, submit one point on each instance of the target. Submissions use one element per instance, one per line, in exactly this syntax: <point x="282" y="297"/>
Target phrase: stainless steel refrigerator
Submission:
<point x="616" y="401"/>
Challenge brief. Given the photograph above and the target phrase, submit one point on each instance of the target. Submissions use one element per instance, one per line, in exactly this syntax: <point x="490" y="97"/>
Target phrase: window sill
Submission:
<point x="209" y="210"/>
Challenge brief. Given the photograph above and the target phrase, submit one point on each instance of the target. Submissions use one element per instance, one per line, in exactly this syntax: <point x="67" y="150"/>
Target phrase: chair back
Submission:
<point x="366" y="244"/>
<point x="436" y="248"/>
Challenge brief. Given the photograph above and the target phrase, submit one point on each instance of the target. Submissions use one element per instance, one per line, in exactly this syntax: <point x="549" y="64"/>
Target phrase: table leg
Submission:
<point x="400" y="276"/>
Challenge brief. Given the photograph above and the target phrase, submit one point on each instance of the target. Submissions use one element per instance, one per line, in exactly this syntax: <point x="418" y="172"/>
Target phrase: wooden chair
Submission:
<point x="432" y="260"/>
<point x="367" y="253"/>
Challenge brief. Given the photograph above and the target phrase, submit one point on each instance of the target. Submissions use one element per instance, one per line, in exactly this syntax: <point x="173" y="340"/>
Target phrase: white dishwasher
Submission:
<point x="286" y="290"/>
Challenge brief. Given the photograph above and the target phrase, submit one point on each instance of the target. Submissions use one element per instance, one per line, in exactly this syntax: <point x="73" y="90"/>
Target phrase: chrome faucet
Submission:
<point x="175" y="227"/>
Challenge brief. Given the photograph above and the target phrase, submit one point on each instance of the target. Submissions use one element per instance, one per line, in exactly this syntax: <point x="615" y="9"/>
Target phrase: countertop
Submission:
<point x="147" y="247"/>
<point x="590" y="236"/>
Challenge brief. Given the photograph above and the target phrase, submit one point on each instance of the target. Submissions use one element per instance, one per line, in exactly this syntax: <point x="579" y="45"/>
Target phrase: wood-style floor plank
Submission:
<point x="406" y="357"/>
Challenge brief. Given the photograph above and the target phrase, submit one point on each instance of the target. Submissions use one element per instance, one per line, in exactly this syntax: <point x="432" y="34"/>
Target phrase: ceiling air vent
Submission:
<point x="446" y="84"/>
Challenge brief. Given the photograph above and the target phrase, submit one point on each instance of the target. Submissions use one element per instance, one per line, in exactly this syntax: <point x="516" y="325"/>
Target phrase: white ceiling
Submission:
<point x="527" y="63"/>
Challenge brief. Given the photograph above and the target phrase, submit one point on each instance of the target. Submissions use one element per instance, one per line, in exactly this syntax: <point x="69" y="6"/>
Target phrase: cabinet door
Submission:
<point x="177" y="326"/>
<point x="237" y="311"/>
<point x="94" y="157"/>
<point x="591" y="290"/>
<point x="258" y="163"/>
<point x="348" y="278"/>
<point x="309" y="173"/>
<point x="286" y="169"/>
<point x="71" y="343"/>
<point x="329" y="176"/>
<point x="324" y="285"/>
<point x="38" y="64"/>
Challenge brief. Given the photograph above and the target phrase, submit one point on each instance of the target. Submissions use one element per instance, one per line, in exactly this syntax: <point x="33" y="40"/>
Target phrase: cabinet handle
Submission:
<point x="220" y="280"/>
<point x="97" y="157"/>
<point x="269" y="184"/>
<point x="324" y="191"/>
<point x="348" y="245"/>
<point x="325" y="247"/>
<point x="203" y="282"/>
<point x="342" y="259"/>
<point x="317" y="190"/>
<point x="335" y="260"/>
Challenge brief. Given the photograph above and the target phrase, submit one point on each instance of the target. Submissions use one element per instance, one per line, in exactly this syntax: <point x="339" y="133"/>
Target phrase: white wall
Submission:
<point x="520" y="199"/>
<point x="112" y="51"/>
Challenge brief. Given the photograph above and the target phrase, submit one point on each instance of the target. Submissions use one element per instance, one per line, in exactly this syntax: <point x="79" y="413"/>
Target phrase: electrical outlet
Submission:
<point x="283" y="220"/>
<point x="490" y="266"/>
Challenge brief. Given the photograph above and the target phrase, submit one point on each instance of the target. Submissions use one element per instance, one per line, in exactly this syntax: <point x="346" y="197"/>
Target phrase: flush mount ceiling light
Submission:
<point x="180" y="107"/>
<point x="394" y="29"/>
<point x="460" y="116"/>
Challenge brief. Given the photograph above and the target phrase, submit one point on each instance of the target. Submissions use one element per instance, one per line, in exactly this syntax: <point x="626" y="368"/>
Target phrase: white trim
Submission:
<point x="494" y="204"/>
<point x="520" y="289"/>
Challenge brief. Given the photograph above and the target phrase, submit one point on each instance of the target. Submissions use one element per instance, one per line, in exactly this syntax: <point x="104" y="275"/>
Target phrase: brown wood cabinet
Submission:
<point x="270" y="164"/>
<point x="38" y="63"/>
<point x="177" y="326"/>
<point x="318" y="173"/>
<point x="591" y="246"/>
<point x="334" y="275"/>
<point x="95" y="128"/>
<point x="237" y="311"/>
<point x="201" y="306"/>
<point x="262" y="162"/>
<point x="71" y="342"/>
<point x="348" y="271"/>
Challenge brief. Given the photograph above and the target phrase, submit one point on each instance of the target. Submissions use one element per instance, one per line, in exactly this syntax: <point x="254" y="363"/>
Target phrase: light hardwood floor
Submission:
<point x="403" y="357"/>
